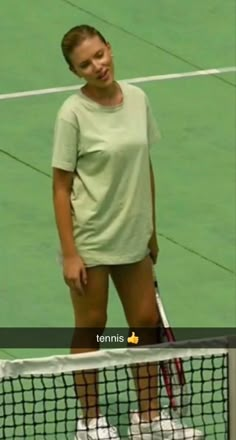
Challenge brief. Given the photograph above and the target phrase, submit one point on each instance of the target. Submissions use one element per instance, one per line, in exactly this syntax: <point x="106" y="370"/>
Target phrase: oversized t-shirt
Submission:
<point x="107" y="149"/>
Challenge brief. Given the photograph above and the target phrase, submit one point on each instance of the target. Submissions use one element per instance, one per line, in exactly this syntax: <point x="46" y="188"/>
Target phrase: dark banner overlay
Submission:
<point x="34" y="338"/>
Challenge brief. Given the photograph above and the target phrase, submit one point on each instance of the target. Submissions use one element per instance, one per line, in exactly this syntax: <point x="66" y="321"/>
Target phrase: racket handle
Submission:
<point x="155" y="279"/>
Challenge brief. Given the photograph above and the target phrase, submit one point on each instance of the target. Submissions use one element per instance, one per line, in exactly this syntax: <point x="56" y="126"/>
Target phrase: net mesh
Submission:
<point x="45" y="406"/>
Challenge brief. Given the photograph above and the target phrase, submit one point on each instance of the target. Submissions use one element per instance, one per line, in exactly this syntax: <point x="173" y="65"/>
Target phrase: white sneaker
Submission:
<point x="163" y="428"/>
<point x="97" y="429"/>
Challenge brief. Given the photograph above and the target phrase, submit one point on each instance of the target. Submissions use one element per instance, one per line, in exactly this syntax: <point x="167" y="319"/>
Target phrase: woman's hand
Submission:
<point x="154" y="248"/>
<point x="74" y="273"/>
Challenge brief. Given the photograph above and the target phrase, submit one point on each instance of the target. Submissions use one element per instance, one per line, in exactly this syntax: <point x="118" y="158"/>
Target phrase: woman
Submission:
<point x="103" y="191"/>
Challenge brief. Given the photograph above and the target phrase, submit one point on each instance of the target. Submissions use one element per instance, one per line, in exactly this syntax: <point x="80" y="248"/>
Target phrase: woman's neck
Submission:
<point x="109" y="94"/>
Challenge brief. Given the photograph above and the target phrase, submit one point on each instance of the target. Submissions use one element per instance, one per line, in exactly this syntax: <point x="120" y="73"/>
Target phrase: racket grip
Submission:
<point x="154" y="278"/>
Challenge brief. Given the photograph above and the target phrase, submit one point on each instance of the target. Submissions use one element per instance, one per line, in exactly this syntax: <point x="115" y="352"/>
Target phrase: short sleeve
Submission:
<point x="65" y="145"/>
<point x="152" y="127"/>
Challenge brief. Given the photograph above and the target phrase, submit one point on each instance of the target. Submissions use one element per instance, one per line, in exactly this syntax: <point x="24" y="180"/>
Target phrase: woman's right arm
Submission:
<point x="73" y="266"/>
<point x="62" y="182"/>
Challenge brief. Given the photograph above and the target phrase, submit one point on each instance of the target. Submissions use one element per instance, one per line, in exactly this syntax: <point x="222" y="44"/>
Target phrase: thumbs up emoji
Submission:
<point x="133" y="339"/>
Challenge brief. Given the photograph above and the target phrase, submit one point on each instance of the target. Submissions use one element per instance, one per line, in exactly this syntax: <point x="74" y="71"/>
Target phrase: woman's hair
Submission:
<point x="75" y="36"/>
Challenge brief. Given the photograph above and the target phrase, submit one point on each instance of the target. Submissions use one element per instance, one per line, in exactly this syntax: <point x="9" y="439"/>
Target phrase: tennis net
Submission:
<point x="38" y="397"/>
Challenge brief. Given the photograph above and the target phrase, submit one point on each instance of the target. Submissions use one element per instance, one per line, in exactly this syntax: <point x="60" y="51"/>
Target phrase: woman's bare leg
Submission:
<point x="134" y="283"/>
<point x="90" y="312"/>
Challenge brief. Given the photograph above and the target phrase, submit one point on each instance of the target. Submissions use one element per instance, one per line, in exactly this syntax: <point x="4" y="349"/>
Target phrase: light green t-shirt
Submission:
<point x="107" y="148"/>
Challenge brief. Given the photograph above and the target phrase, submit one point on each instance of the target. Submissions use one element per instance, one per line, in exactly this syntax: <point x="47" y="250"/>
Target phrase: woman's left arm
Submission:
<point x="153" y="243"/>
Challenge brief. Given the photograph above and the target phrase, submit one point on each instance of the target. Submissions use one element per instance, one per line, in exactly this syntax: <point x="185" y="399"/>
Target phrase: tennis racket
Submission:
<point x="172" y="370"/>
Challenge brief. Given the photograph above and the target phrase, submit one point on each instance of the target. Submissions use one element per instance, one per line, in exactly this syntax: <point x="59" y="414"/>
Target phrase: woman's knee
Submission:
<point x="145" y="318"/>
<point x="87" y="331"/>
<point x="147" y="325"/>
<point x="93" y="319"/>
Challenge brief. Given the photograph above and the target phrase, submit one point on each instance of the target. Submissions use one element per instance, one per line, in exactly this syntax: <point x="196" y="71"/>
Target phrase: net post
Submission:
<point x="232" y="389"/>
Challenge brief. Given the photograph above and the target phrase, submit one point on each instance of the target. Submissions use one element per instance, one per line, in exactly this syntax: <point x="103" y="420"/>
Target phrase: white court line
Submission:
<point x="131" y="80"/>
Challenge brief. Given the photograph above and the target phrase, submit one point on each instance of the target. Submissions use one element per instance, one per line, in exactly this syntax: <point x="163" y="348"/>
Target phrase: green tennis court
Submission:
<point x="169" y="49"/>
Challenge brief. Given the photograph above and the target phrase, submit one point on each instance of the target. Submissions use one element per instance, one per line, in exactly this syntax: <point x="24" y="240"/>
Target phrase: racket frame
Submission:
<point x="167" y="371"/>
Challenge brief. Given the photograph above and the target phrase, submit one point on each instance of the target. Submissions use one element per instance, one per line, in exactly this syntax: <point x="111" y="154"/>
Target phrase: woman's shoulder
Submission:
<point x="68" y="109"/>
<point x="134" y="94"/>
<point x="69" y="104"/>
<point x="132" y="89"/>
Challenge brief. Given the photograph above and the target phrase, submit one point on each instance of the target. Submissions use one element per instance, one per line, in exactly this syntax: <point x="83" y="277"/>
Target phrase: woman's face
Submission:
<point x="92" y="60"/>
